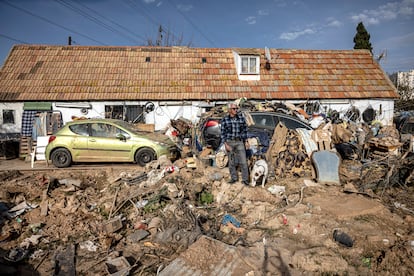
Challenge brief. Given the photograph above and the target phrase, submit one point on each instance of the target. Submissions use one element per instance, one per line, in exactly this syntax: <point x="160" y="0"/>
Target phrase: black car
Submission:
<point x="405" y="125"/>
<point x="264" y="124"/>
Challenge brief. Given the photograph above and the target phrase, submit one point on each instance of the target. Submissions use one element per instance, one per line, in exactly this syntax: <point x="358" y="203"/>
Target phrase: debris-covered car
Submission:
<point x="106" y="140"/>
<point x="405" y="125"/>
<point x="261" y="122"/>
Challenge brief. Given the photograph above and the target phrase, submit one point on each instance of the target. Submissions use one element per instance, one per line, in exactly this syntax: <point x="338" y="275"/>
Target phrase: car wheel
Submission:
<point x="144" y="156"/>
<point x="61" y="158"/>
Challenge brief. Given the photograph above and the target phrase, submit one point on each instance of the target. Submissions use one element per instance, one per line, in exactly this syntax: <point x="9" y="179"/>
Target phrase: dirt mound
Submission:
<point x="159" y="221"/>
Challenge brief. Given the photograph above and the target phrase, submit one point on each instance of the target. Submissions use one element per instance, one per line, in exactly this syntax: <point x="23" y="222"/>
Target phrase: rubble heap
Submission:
<point x="170" y="218"/>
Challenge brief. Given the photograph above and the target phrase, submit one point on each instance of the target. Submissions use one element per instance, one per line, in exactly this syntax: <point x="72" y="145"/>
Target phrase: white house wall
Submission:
<point x="165" y="111"/>
<point x="384" y="108"/>
<point x="18" y="112"/>
<point x="160" y="117"/>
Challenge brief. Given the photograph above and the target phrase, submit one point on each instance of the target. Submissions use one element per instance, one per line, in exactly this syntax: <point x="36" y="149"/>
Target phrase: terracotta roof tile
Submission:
<point x="39" y="72"/>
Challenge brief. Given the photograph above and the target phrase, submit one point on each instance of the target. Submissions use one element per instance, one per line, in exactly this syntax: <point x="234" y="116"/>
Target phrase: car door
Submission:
<point x="105" y="146"/>
<point x="79" y="141"/>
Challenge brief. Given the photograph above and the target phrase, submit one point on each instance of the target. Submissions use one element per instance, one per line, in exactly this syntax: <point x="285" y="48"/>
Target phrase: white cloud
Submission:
<point x="280" y="3"/>
<point x="407" y="7"/>
<point x="148" y="1"/>
<point x="263" y="12"/>
<point x="332" y="22"/>
<point x="159" y="4"/>
<point x="311" y="29"/>
<point x="294" y="35"/>
<point x="185" y="8"/>
<point x="251" y="20"/>
<point x="389" y="11"/>
<point x="364" y="18"/>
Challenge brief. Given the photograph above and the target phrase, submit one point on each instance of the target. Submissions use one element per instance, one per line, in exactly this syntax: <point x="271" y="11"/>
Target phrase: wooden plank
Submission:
<point x="277" y="141"/>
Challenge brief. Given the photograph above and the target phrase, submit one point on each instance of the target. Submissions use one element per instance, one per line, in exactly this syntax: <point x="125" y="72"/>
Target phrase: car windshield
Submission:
<point x="270" y="120"/>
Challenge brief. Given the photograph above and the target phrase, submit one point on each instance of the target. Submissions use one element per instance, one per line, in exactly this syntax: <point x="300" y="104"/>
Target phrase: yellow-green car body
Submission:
<point x="106" y="140"/>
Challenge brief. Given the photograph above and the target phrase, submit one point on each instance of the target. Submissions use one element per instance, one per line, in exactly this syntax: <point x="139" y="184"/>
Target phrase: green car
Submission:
<point x="106" y="140"/>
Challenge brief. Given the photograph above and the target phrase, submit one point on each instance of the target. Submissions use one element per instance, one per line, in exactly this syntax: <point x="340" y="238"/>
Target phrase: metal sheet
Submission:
<point x="327" y="166"/>
<point x="212" y="257"/>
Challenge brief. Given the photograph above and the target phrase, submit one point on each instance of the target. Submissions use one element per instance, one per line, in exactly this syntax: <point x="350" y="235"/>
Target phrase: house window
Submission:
<point x="8" y="116"/>
<point x="129" y="113"/>
<point x="249" y="65"/>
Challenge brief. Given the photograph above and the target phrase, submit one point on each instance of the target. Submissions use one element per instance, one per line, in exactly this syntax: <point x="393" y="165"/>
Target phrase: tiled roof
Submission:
<point x="72" y="73"/>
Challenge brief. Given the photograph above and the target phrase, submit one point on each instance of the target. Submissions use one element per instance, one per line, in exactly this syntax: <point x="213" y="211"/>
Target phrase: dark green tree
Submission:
<point x="361" y="39"/>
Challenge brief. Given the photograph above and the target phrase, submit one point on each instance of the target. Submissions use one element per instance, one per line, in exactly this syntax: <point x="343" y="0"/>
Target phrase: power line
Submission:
<point x="110" y="20"/>
<point x="191" y="23"/>
<point x="142" y="10"/>
<point x="93" y="19"/>
<point x="14" y="39"/>
<point x="51" y="22"/>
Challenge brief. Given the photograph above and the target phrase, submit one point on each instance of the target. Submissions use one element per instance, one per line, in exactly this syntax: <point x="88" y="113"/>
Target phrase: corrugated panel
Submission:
<point x="212" y="257"/>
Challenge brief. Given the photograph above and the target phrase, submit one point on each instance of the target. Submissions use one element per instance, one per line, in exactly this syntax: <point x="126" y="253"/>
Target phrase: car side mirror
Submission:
<point x="121" y="137"/>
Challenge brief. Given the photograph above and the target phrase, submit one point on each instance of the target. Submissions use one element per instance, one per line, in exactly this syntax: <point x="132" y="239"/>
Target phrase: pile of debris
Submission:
<point x="339" y="200"/>
<point x="170" y="218"/>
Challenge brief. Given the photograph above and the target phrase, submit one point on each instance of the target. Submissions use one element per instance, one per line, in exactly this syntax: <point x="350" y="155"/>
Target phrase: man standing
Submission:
<point x="234" y="137"/>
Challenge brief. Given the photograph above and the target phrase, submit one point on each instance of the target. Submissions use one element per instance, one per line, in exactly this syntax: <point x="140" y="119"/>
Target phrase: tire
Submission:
<point x="144" y="156"/>
<point x="61" y="158"/>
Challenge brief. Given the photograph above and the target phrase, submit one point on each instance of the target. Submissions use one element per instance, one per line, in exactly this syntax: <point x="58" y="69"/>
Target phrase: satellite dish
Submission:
<point x="382" y="55"/>
<point x="149" y="106"/>
<point x="84" y="111"/>
<point x="267" y="54"/>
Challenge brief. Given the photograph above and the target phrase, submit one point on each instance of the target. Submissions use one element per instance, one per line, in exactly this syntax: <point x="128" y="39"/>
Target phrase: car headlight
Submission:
<point x="161" y="144"/>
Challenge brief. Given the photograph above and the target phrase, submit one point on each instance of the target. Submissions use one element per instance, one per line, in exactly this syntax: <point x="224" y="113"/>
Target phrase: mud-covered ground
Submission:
<point x="80" y="221"/>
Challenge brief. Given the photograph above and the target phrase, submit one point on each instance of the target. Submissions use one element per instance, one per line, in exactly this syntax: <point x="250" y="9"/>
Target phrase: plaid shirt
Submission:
<point x="232" y="128"/>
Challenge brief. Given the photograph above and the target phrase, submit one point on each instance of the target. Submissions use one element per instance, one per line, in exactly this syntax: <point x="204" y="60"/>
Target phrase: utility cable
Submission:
<point x="142" y="10"/>
<point x="14" y="39"/>
<point x="110" y="20"/>
<point x="51" y="22"/>
<point x="192" y="23"/>
<point x="93" y="19"/>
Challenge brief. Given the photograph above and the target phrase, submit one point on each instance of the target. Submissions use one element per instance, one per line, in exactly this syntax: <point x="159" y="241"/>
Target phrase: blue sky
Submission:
<point x="282" y="24"/>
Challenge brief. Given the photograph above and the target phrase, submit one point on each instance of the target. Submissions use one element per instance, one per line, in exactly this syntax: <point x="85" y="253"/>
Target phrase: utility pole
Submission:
<point x="159" y="39"/>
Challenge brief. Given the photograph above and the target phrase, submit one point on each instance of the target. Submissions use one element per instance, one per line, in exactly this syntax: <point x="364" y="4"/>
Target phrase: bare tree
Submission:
<point x="167" y="38"/>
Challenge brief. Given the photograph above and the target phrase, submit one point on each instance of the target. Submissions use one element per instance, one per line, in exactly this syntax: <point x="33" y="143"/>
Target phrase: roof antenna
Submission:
<point x="159" y="39"/>
<point x="268" y="58"/>
<point x="382" y="55"/>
